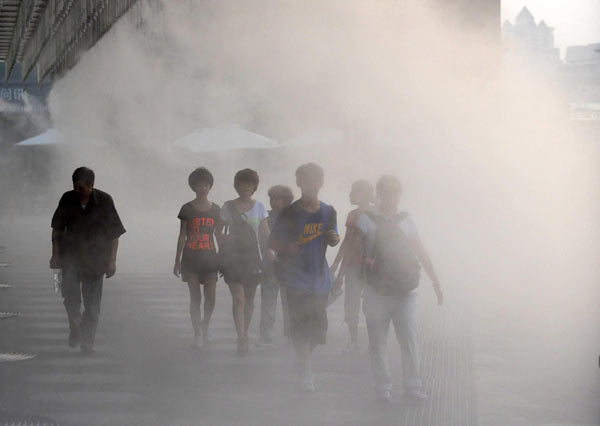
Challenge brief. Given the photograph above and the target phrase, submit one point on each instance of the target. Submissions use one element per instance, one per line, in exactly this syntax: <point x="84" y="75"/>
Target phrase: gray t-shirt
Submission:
<point x="368" y="227"/>
<point x="253" y="216"/>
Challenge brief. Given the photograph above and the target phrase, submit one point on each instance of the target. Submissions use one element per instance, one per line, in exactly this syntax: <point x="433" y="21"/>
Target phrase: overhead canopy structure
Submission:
<point x="225" y="138"/>
<point x="49" y="137"/>
<point x="54" y="136"/>
<point x="52" y="33"/>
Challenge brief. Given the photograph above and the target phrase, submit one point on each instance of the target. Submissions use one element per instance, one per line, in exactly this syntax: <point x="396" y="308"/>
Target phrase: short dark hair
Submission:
<point x="310" y="171"/>
<point x="200" y="175"/>
<point x="85" y="175"/>
<point x="283" y="192"/>
<point x="364" y="187"/>
<point x="246" y="175"/>
<point x="389" y="183"/>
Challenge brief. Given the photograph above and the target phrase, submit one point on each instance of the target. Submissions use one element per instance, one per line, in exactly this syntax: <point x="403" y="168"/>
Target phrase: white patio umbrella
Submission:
<point x="49" y="137"/>
<point x="225" y="138"/>
<point x="53" y="136"/>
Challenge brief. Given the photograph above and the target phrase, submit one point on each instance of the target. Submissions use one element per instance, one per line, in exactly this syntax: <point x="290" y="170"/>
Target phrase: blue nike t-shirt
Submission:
<point x="308" y="269"/>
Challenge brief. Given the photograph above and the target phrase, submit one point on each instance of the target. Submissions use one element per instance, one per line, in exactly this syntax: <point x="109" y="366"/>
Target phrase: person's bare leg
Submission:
<point x="303" y="350"/>
<point x="210" y="288"/>
<point x="237" y="296"/>
<point x="249" y="293"/>
<point x="195" y="301"/>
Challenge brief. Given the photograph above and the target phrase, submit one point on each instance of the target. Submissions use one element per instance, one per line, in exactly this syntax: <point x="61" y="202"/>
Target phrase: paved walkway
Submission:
<point x="483" y="368"/>
<point x="146" y="373"/>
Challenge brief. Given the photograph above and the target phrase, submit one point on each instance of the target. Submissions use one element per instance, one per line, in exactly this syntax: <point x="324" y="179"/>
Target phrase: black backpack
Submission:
<point x="395" y="269"/>
<point x="242" y="256"/>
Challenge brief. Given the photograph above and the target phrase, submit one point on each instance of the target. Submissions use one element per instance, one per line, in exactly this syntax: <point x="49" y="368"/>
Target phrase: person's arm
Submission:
<point x="220" y="234"/>
<point x="55" y="261"/>
<point x="58" y="224"/>
<point x="333" y="238"/>
<point x="352" y="237"/>
<point x="341" y="252"/>
<point x="350" y="222"/>
<point x="111" y="267"/>
<point x="263" y="234"/>
<point x="180" y="243"/>
<point x="223" y="222"/>
<point x="280" y="237"/>
<point x="116" y="230"/>
<point x="263" y="239"/>
<point x="283" y="248"/>
<point x="425" y="260"/>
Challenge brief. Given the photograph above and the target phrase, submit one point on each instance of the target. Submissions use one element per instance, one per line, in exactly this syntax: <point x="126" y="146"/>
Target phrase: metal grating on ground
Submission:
<point x="5" y="315"/>
<point x="15" y="356"/>
<point x="16" y="419"/>
<point x="447" y="368"/>
<point x="447" y="372"/>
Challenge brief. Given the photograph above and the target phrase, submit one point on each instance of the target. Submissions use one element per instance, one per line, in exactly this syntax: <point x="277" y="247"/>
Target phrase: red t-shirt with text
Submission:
<point x="200" y="230"/>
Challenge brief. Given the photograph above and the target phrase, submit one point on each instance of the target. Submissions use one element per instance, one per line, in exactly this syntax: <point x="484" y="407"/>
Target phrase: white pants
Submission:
<point x="402" y="312"/>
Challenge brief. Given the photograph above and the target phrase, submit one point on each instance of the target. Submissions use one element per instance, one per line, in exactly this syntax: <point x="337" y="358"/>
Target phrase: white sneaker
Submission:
<point x="415" y="395"/>
<point x="383" y="395"/>
<point x="197" y="341"/>
<point x="350" y="348"/>
<point x="207" y="337"/>
<point x="265" y="341"/>
<point x="307" y="381"/>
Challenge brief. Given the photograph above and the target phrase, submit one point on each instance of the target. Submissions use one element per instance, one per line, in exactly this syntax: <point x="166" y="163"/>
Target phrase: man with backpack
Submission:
<point x="393" y="258"/>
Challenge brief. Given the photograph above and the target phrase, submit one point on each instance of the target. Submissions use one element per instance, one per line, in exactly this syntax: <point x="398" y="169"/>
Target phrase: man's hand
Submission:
<point x="438" y="293"/>
<point x="55" y="262"/>
<point x="271" y="255"/>
<point x="111" y="268"/>
<point x="333" y="238"/>
<point x="293" y="248"/>
<point x="177" y="269"/>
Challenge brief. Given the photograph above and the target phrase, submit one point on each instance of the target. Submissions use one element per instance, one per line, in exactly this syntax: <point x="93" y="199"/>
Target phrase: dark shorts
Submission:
<point x="202" y="277"/>
<point x="308" y="315"/>
<point x="247" y="280"/>
<point x="203" y="274"/>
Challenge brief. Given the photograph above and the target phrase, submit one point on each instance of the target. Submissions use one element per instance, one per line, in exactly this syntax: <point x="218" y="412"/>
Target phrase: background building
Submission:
<point x="534" y="43"/>
<point x="582" y="68"/>
<point x="582" y="83"/>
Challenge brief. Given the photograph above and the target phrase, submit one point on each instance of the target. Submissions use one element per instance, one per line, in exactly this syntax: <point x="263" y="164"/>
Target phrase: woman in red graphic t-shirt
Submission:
<point x="196" y="257"/>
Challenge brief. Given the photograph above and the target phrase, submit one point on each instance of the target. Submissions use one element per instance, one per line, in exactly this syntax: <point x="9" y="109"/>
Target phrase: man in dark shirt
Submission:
<point x="85" y="237"/>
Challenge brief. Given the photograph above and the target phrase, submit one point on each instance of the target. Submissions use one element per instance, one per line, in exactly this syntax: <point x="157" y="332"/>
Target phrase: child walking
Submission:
<point x="241" y="261"/>
<point x="196" y="256"/>
<point x="350" y="256"/>
<point x="302" y="233"/>
<point x="280" y="196"/>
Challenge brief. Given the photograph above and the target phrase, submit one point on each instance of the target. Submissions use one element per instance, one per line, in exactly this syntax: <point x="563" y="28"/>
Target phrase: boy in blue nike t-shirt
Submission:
<point x="301" y="235"/>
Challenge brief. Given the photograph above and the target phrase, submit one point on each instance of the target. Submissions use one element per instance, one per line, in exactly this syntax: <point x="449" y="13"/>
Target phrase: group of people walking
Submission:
<point x="282" y="249"/>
